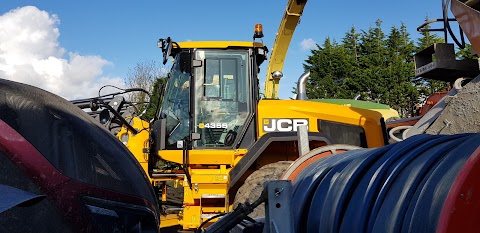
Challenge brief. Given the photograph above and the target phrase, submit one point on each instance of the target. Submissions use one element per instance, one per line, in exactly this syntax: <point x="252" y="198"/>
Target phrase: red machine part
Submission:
<point x="296" y="167"/>
<point x="305" y="163"/>
<point x="431" y="101"/>
<point x="462" y="206"/>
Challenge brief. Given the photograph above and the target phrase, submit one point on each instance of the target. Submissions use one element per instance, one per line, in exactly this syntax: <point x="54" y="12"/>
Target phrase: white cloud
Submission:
<point x="30" y="53"/>
<point x="308" y="44"/>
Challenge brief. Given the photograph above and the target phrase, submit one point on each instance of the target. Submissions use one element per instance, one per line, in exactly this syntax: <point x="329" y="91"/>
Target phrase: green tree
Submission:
<point x="156" y="98"/>
<point x="372" y="64"/>
<point x="145" y="75"/>
<point x="378" y="66"/>
<point x="351" y="42"/>
<point x="330" y="67"/>
<point x="401" y="94"/>
<point x="466" y="53"/>
<point x="428" y="38"/>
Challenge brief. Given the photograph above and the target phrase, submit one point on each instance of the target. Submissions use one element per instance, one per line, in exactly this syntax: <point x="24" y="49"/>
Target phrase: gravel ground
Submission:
<point x="462" y="113"/>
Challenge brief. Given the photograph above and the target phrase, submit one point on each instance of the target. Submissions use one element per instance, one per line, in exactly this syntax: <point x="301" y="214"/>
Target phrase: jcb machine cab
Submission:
<point x="214" y="125"/>
<point x="212" y="93"/>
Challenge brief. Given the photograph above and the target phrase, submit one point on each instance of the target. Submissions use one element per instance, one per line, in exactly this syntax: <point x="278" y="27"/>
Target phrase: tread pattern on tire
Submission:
<point x="253" y="185"/>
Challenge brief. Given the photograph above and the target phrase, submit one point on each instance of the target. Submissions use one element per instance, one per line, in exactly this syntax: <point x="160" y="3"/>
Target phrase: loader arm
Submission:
<point x="289" y="22"/>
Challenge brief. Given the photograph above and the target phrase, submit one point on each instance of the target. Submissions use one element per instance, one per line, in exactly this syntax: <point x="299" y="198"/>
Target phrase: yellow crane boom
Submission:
<point x="288" y="24"/>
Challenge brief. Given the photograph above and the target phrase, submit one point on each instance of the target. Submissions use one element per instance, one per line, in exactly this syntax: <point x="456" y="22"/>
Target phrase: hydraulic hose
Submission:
<point x="401" y="187"/>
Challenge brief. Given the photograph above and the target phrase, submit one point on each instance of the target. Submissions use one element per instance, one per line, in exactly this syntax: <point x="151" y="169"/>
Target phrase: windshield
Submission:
<point x="175" y="107"/>
<point x="221" y="96"/>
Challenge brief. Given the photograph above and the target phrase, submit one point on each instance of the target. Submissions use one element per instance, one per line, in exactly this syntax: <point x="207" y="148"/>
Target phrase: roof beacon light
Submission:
<point x="258" y="31"/>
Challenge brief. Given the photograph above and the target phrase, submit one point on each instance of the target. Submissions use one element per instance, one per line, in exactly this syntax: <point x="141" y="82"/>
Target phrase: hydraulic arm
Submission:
<point x="289" y="22"/>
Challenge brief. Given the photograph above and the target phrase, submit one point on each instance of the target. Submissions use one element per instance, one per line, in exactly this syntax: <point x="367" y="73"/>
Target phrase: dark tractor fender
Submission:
<point x="260" y="145"/>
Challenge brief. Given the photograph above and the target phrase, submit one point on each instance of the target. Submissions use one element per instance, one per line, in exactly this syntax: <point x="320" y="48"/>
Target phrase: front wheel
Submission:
<point x="253" y="186"/>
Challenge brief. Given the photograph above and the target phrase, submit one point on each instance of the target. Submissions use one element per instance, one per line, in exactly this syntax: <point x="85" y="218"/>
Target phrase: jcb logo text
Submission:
<point x="282" y="124"/>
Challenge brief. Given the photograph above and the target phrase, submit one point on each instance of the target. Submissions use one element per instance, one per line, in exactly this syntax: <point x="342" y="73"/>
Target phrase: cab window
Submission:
<point x="175" y="106"/>
<point x="222" y="94"/>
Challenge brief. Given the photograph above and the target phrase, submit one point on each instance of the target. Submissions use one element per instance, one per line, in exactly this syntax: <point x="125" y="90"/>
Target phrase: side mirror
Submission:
<point x="166" y="46"/>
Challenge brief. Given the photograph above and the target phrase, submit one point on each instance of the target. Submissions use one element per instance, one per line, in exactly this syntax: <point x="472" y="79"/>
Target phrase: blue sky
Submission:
<point x="125" y="32"/>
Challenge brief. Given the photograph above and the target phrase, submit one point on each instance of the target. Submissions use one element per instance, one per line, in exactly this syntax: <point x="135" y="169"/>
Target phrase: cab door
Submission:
<point x="222" y="96"/>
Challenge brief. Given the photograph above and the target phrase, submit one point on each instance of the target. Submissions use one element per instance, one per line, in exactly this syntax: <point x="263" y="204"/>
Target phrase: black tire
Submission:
<point x="252" y="187"/>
